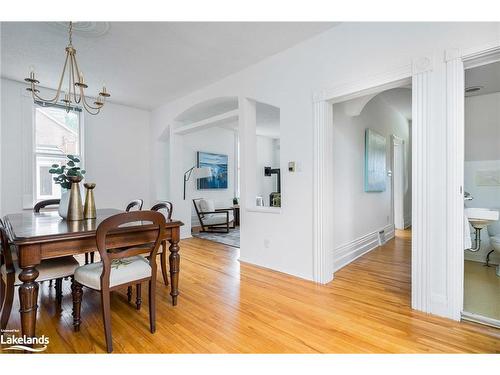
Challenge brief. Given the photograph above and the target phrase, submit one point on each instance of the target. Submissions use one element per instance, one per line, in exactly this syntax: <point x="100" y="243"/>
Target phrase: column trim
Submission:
<point x="455" y="179"/>
<point x="420" y="267"/>
<point x="323" y="192"/>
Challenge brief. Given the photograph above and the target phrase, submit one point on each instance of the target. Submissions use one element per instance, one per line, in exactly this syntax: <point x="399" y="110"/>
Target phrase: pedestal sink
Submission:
<point x="479" y="218"/>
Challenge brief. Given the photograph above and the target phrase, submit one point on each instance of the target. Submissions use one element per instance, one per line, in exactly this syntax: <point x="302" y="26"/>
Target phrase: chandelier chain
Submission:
<point x="71" y="33"/>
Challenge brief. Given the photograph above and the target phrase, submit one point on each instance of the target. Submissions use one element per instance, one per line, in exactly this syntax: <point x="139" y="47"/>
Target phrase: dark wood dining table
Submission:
<point x="46" y="235"/>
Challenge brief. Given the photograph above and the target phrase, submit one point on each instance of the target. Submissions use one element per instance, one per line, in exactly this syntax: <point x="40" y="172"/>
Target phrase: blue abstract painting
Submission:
<point x="218" y="164"/>
<point x="375" y="165"/>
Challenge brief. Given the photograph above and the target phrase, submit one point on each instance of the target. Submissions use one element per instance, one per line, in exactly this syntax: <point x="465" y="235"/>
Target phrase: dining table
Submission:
<point x="45" y="235"/>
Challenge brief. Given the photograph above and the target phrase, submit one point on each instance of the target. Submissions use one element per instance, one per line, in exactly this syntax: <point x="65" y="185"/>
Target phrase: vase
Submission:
<point x="89" y="211"/>
<point x="63" y="204"/>
<point x="75" y="207"/>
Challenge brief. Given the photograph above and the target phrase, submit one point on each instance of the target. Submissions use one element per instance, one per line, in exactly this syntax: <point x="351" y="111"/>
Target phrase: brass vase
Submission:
<point x="75" y="207"/>
<point x="89" y="211"/>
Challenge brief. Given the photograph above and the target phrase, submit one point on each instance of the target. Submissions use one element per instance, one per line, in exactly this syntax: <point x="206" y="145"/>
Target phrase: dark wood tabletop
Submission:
<point x="28" y="227"/>
<point x="46" y="235"/>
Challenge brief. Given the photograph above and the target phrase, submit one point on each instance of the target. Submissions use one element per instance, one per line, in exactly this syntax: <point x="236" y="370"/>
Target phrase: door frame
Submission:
<point x="395" y="140"/>
<point x="418" y="73"/>
<point x="457" y="61"/>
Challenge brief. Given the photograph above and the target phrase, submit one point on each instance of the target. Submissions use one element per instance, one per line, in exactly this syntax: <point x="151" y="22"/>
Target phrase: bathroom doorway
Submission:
<point x="482" y="194"/>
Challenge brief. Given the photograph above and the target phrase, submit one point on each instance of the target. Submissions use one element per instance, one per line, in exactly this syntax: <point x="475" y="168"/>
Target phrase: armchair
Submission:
<point x="211" y="219"/>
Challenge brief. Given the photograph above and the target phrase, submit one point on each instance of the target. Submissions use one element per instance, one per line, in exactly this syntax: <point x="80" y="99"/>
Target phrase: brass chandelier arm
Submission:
<point x="74" y="66"/>
<point x="58" y="93"/>
<point x="89" y="106"/>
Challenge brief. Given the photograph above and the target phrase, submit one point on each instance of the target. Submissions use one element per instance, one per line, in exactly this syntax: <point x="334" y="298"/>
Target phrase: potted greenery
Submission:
<point x="63" y="175"/>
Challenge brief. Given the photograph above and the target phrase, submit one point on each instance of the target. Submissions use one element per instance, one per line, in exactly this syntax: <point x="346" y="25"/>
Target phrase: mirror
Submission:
<point x="268" y="172"/>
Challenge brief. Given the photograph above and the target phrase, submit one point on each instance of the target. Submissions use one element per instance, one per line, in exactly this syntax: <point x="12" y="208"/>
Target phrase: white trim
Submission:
<point x="341" y="92"/>
<point x="420" y="72"/>
<point x="217" y="120"/>
<point x="480" y="319"/>
<point x="477" y="56"/>
<point x="455" y="179"/>
<point x="264" y="209"/>
<point x="456" y="63"/>
<point x="323" y="193"/>
<point x="349" y="252"/>
<point x="323" y="158"/>
<point x="397" y="141"/>
<point x="421" y="132"/>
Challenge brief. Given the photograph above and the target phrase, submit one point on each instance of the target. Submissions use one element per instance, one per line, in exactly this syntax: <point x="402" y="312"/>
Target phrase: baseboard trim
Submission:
<point x="345" y="254"/>
<point x="476" y="318"/>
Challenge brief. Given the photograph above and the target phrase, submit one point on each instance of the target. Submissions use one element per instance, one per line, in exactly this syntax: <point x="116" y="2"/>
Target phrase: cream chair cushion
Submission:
<point x="49" y="269"/>
<point x="206" y="205"/>
<point x="123" y="271"/>
<point x="218" y="218"/>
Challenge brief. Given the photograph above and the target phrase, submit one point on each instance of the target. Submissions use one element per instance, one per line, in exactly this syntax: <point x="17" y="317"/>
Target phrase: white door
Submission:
<point x="399" y="182"/>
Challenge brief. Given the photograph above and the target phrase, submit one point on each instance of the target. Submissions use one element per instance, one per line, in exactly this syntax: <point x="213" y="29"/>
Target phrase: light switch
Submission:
<point x="291" y="166"/>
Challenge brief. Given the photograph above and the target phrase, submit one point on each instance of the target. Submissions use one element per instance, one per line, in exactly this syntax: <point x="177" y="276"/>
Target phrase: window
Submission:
<point x="57" y="134"/>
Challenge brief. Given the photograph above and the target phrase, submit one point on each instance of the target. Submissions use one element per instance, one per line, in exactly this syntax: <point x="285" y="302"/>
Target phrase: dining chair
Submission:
<point x="135" y="203"/>
<point x="45" y="203"/>
<point x="120" y="267"/>
<point x="57" y="268"/>
<point x="166" y="208"/>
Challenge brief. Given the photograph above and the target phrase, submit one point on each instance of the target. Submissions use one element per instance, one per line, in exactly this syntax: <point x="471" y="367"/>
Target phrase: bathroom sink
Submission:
<point x="481" y="217"/>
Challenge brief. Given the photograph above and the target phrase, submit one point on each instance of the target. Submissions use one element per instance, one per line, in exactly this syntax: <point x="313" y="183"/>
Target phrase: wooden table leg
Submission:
<point x="174" y="260"/>
<point x="28" y="297"/>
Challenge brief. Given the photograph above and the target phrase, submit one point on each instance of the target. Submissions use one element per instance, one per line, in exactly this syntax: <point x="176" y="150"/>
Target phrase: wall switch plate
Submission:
<point x="291" y="166"/>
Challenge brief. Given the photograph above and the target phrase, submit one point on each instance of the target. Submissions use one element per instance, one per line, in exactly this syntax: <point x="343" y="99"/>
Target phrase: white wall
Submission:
<point x="117" y="152"/>
<point x="283" y="241"/>
<point x="482" y="127"/>
<point x="218" y="141"/>
<point x="482" y="153"/>
<point x="356" y="213"/>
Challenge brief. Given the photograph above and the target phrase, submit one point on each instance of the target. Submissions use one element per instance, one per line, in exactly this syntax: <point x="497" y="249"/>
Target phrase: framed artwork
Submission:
<point x="218" y="164"/>
<point x="375" y="163"/>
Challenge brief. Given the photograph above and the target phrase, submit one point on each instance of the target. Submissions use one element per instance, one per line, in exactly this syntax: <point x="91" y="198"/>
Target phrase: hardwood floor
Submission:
<point x="228" y="307"/>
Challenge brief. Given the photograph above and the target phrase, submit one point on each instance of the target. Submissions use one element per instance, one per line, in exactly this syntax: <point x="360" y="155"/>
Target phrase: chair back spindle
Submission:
<point x="135" y="203"/>
<point x="164" y="206"/>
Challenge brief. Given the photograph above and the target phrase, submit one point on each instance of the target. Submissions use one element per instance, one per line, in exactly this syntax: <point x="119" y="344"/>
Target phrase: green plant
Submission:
<point x="62" y="172"/>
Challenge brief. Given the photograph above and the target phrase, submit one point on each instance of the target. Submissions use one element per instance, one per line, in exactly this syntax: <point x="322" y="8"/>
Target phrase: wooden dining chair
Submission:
<point x="57" y="268"/>
<point x="166" y="208"/>
<point x="133" y="204"/>
<point x="120" y="267"/>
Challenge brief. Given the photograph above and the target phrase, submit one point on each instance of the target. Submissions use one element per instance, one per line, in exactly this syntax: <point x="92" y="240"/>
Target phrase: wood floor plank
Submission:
<point x="230" y="307"/>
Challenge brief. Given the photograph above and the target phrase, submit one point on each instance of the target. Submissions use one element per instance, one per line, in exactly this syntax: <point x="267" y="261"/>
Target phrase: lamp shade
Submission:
<point x="202" y="172"/>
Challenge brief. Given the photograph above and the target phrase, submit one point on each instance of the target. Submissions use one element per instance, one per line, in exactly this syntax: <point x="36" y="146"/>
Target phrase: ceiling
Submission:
<point x="145" y="64"/>
<point x="487" y="76"/>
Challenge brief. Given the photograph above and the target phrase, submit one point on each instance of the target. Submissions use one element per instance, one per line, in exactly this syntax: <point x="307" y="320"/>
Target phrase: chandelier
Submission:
<point x="76" y="84"/>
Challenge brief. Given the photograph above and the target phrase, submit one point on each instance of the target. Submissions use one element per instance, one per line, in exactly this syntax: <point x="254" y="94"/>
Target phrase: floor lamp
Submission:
<point x="197" y="173"/>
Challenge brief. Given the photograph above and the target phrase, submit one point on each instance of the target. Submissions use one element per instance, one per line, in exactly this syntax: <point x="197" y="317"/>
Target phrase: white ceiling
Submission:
<point x="487" y="76"/>
<point x="145" y="64"/>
